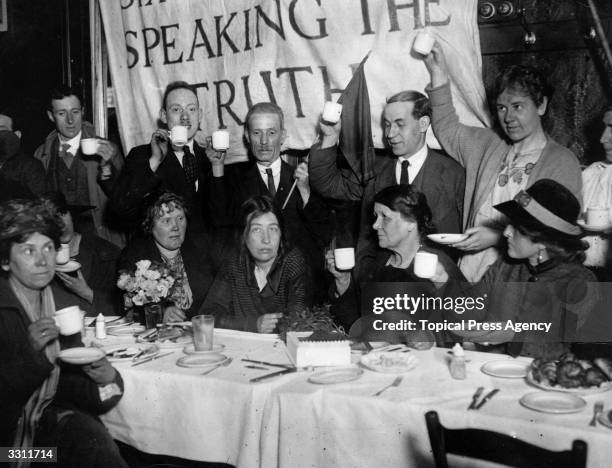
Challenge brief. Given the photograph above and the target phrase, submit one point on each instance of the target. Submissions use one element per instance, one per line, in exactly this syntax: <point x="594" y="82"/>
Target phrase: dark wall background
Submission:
<point x="34" y="57"/>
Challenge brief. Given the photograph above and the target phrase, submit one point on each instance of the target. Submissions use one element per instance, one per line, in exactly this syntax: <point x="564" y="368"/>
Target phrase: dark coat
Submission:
<point x="196" y="258"/>
<point x="98" y="259"/>
<point x="137" y="180"/>
<point x="441" y="179"/>
<point x="237" y="303"/>
<point x="23" y="370"/>
<point x="351" y="305"/>
<point x="27" y="171"/>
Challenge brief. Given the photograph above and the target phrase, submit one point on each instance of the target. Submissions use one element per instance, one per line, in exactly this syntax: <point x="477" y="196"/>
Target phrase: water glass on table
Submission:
<point x="203" y="328"/>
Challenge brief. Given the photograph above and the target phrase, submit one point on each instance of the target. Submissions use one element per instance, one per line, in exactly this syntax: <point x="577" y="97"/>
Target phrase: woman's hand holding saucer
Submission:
<point x="42" y="332"/>
<point x="479" y="238"/>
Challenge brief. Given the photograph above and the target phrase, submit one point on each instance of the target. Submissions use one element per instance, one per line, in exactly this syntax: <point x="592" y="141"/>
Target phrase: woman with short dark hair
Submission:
<point x="265" y="280"/>
<point x="403" y="220"/>
<point x="41" y="402"/>
<point x="166" y="241"/>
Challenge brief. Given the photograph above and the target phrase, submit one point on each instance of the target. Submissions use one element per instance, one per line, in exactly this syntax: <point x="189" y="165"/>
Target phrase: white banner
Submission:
<point x="298" y="53"/>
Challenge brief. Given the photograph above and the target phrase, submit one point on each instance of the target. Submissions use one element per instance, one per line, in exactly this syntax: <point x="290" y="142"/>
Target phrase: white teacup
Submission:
<point x="220" y="140"/>
<point x="344" y="258"/>
<point x="178" y="135"/>
<point x="69" y="320"/>
<point x="425" y="264"/>
<point x="331" y="112"/>
<point x="89" y="146"/>
<point x="597" y="216"/>
<point x="423" y="42"/>
<point x="62" y="256"/>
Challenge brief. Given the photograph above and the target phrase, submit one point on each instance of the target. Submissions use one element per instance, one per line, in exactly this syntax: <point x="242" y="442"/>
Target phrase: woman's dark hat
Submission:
<point x="546" y="205"/>
<point x="58" y="200"/>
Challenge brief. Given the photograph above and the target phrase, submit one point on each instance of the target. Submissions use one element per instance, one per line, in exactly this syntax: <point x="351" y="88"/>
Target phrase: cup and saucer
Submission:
<point x="596" y="220"/>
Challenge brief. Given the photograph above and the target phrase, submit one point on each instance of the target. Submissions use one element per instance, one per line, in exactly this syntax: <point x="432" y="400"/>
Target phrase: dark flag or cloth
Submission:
<point x="356" y="132"/>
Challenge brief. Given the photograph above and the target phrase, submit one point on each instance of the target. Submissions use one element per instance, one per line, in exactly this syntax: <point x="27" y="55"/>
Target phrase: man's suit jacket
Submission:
<point x="441" y="179"/>
<point x="137" y="180"/>
<point x="306" y="226"/>
<point x="196" y="258"/>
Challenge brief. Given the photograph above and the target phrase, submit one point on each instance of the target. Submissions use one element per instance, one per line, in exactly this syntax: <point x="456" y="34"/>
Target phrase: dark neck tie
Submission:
<point x="404" y="174"/>
<point x="65" y="155"/>
<point x="190" y="166"/>
<point x="271" y="187"/>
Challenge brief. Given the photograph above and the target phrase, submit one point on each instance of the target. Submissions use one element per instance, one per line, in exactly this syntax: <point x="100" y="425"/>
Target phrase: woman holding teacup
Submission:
<point x="43" y="404"/>
<point x="265" y="280"/>
<point x="541" y="280"/>
<point x="403" y="219"/>
<point x="165" y="241"/>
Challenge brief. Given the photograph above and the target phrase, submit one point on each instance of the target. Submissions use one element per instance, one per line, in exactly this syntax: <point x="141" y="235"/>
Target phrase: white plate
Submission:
<point x="131" y="351"/>
<point x="447" y="239"/>
<point x="69" y="267"/>
<point x="505" y="368"/>
<point x="553" y="402"/>
<point x="216" y="349"/>
<point x="335" y="376"/>
<point x="604" y="419"/>
<point x="81" y="356"/>
<point x="390" y="363"/>
<point x="604" y="387"/>
<point x="126" y="330"/>
<point x="207" y="360"/>
<point x="589" y="227"/>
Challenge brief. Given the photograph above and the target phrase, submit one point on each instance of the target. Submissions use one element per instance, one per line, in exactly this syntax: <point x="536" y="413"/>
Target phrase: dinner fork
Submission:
<point x="225" y="364"/>
<point x="395" y="383"/>
<point x="597" y="409"/>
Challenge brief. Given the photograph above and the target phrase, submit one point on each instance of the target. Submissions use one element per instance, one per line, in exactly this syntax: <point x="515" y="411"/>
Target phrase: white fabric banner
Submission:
<point x="298" y="53"/>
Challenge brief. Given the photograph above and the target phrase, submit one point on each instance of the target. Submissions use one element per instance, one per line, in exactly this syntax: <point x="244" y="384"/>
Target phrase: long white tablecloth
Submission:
<point x="289" y="422"/>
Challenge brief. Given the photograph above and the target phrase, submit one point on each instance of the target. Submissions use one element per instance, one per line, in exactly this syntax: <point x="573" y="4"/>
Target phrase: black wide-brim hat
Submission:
<point x="547" y="207"/>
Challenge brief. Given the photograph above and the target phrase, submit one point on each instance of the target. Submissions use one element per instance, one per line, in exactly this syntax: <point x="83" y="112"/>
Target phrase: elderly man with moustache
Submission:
<point x="76" y="175"/>
<point x="305" y="214"/>
<point x="406" y="118"/>
<point x="160" y="165"/>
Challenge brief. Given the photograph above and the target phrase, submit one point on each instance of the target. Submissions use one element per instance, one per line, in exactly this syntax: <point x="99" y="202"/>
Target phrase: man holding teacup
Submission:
<point x="74" y="158"/>
<point x="172" y="160"/>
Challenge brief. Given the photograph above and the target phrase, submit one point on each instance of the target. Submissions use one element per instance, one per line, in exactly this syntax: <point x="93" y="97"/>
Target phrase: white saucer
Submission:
<point x="336" y="376"/>
<point x="80" y="356"/>
<point x="69" y="267"/>
<point x="207" y="360"/>
<point x="447" y="239"/>
<point x="505" y="368"/>
<point x="216" y="349"/>
<point x="592" y="228"/>
<point x="553" y="402"/>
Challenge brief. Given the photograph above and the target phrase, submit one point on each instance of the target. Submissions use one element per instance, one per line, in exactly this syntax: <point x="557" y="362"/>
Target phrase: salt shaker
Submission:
<point x="100" y="327"/>
<point x="457" y="364"/>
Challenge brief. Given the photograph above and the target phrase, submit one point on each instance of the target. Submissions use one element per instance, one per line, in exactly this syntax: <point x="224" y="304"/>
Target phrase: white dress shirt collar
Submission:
<point x="74" y="143"/>
<point x="416" y="162"/>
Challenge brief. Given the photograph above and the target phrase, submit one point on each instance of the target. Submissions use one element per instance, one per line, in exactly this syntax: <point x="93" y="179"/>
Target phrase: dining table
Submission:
<point x="288" y="421"/>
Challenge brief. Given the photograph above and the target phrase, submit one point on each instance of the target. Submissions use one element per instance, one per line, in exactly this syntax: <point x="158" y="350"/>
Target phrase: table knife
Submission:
<point x="273" y="374"/>
<point x="152" y="358"/>
<point x="487" y="397"/>
<point x="264" y="363"/>
<point x="475" y="397"/>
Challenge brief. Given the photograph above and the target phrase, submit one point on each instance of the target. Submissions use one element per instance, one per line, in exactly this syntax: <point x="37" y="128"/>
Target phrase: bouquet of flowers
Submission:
<point x="149" y="283"/>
